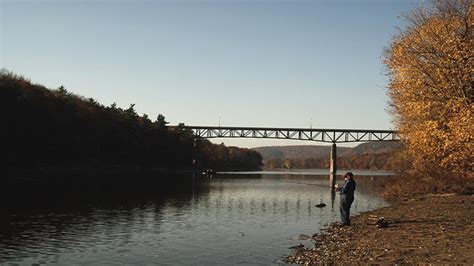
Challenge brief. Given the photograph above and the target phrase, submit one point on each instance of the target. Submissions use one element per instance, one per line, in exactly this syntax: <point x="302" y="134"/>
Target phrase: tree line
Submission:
<point x="430" y="66"/>
<point x="394" y="161"/>
<point x="56" y="128"/>
<point x="431" y="92"/>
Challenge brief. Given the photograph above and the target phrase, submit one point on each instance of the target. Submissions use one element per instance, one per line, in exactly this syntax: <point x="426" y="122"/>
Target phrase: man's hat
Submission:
<point x="349" y="174"/>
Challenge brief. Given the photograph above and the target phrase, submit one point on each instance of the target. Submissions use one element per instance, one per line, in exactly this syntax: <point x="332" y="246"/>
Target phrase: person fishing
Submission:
<point x="347" y="197"/>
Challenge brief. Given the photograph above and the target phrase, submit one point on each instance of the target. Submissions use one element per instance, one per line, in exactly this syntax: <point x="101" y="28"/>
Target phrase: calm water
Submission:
<point x="232" y="219"/>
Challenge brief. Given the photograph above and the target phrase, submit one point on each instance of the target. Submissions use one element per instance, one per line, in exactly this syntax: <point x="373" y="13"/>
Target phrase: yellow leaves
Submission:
<point x="431" y="72"/>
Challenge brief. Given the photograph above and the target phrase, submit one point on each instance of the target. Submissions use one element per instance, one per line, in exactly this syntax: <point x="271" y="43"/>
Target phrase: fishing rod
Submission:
<point x="321" y="204"/>
<point x="301" y="183"/>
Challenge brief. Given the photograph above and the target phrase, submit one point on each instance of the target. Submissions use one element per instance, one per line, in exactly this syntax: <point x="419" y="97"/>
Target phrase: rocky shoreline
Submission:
<point x="436" y="228"/>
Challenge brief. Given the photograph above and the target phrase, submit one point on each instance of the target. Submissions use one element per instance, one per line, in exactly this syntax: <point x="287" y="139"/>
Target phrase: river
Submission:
<point x="232" y="218"/>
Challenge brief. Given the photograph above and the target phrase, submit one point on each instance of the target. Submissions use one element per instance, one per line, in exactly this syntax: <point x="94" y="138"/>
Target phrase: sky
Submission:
<point x="255" y="63"/>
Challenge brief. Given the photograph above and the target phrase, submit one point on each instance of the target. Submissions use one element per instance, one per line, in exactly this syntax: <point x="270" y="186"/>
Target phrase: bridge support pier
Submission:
<point x="333" y="166"/>
<point x="194" y="154"/>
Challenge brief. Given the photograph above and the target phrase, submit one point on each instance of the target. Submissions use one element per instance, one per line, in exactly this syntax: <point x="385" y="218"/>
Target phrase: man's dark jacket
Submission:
<point x="348" y="188"/>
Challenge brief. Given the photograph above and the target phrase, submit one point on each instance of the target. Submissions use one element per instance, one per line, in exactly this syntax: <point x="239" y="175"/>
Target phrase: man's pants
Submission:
<point x="345" y="207"/>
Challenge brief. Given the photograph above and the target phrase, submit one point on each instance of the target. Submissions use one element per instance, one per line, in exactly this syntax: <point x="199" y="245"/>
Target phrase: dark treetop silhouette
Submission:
<point x="54" y="128"/>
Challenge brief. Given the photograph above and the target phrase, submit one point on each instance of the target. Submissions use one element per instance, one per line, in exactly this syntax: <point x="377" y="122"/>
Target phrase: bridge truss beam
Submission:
<point x="310" y="134"/>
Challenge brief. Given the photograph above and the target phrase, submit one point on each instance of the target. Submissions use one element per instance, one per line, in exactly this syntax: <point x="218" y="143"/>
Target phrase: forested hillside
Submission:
<point x="297" y="152"/>
<point x="45" y="128"/>
<point x="370" y="155"/>
<point x="374" y="147"/>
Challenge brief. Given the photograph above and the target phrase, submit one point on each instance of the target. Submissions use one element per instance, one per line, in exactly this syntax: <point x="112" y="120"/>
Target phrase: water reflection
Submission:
<point x="208" y="221"/>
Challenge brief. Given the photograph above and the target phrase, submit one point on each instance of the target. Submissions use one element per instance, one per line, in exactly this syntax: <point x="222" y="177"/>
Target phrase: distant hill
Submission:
<point x="369" y="155"/>
<point x="322" y="152"/>
<point x="297" y="152"/>
<point x="378" y="147"/>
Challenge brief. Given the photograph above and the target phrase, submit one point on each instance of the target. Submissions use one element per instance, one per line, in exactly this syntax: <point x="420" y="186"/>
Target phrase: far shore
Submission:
<point x="315" y="171"/>
<point x="87" y="171"/>
<point x="52" y="172"/>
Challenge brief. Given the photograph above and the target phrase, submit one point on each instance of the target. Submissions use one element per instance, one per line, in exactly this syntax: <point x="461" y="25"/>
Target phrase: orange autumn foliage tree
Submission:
<point x="430" y="65"/>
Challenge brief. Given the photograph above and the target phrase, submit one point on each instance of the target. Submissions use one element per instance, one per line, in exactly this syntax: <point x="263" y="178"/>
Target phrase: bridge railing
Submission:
<point x="311" y="134"/>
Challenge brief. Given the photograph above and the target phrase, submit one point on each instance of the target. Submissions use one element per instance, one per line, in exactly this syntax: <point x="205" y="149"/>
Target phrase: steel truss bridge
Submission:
<point x="310" y="134"/>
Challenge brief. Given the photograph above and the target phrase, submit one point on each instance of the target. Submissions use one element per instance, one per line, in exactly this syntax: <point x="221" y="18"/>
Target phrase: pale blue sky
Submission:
<point x="251" y="63"/>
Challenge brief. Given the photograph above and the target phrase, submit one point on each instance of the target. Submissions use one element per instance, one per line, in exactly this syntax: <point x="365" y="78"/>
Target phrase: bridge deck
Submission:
<point x="311" y="134"/>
